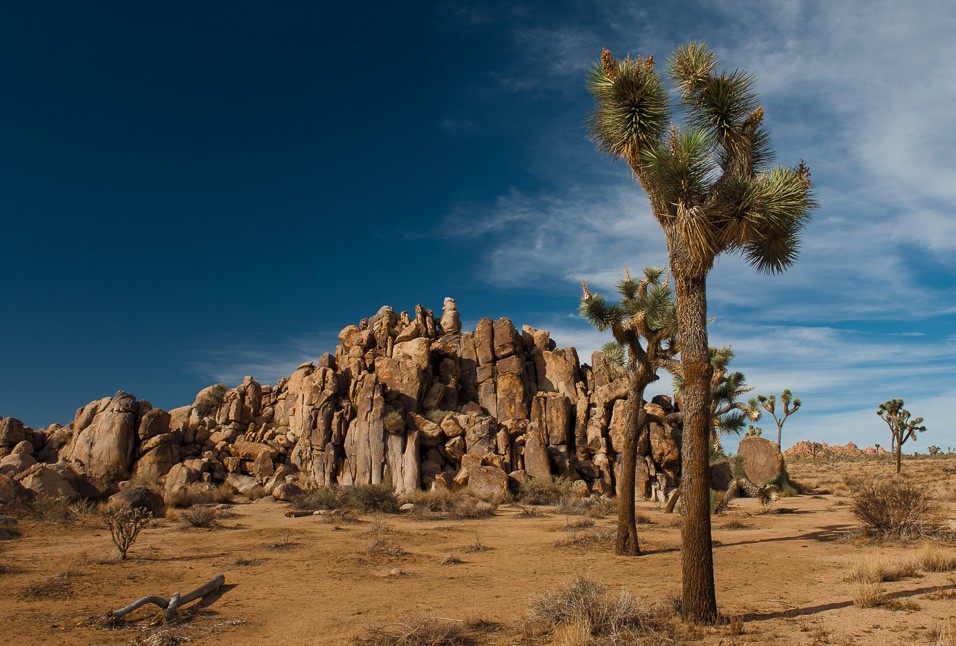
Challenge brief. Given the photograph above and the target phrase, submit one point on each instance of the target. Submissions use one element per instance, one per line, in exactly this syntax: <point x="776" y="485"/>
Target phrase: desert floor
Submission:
<point x="307" y="580"/>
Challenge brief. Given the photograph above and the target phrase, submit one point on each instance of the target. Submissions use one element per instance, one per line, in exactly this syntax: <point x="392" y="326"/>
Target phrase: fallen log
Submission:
<point x="171" y="605"/>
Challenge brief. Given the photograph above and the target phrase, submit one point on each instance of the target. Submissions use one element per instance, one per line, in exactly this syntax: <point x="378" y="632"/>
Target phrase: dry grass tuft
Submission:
<point x="931" y="558"/>
<point x="56" y="588"/>
<point x="583" y="612"/>
<point x="869" y="594"/>
<point x="416" y="630"/>
<point x="596" y="538"/>
<point x="385" y="547"/>
<point x="945" y="633"/>
<point x="199" y="516"/>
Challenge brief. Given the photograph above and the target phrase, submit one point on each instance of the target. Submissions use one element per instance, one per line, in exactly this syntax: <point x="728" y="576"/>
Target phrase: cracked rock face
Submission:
<point x="402" y="401"/>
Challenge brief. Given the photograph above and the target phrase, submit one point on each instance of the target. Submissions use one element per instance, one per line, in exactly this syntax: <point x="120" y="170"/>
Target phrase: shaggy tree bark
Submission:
<point x="699" y="599"/>
<point x="635" y="421"/>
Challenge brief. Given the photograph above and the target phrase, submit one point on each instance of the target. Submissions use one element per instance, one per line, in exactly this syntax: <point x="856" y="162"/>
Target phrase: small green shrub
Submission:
<point x="394" y="422"/>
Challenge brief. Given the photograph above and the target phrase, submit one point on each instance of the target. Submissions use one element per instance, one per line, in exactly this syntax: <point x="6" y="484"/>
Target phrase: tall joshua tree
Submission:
<point x="711" y="191"/>
<point x="902" y="428"/>
<point x="770" y="405"/>
<point x="645" y="312"/>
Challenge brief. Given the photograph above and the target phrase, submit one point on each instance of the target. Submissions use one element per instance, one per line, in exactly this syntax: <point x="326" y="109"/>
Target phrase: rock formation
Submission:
<point x="410" y="402"/>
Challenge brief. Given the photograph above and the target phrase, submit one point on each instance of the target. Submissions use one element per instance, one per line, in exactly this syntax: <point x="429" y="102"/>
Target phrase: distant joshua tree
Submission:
<point x="901" y="426"/>
<point x="769" y="404"/>
<point x="644" y="315"/>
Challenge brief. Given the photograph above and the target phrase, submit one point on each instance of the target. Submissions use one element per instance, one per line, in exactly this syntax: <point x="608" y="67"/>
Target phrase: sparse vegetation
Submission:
<point x="386" y="547"/>
<point x="584" y="610"/>
<point x="895" y="508"/>
<point x="125" y="525"/>
<point x="394" y="422"/>
<point x="902" y="425"/>
<point x="199" y="516"/>
<point x="450" y="505"/>
<point x="366" y="498"/>
<point x="552" y="490"/>
<point x="198" y="494"/>
<point x="421" y="631"/>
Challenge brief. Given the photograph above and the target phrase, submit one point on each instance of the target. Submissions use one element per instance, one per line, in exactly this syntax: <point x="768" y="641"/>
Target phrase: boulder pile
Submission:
<point x="412" y="402"/>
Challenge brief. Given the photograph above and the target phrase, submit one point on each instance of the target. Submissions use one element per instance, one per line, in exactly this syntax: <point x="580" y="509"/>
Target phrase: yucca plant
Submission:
<point x="644" y="324"/>
<point x="712" y="191"/>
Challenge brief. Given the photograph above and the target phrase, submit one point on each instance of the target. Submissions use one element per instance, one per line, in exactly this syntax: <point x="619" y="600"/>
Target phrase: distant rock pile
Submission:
<point x="413" y="402"/>
<point x="804" y="450"/>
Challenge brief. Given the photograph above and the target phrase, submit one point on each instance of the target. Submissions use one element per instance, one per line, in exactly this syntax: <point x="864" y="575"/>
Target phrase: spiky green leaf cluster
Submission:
<point x="710" y="180"/>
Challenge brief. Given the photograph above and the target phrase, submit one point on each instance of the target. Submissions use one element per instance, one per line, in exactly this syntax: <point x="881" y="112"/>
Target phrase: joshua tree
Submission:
<point x="901" y="426"/>
<point x="711" y="191"/>
<point x="770" y="403"/>
<point x="645" y="311"/>
<point x="727" y="415"/>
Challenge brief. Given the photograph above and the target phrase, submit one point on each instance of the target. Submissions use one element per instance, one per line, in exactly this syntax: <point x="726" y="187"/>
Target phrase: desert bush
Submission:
<point x="199" y="494"/>
<point x="125" y="524"/>
<point x="584" y="608"/>
<point x="374" y="497"/>
<point x="945" y="633"/>
<point x="199" y="516"/>
<point x="57" y="588"/>
<point x="933" y="559"/>
<point x="869" y="570"/>
<point x="445" y="504"/>
<point x="394" y="422"/>
<point x="368" y="498"/>
<point x="385" y="547"/>
<point x="49" y="509"/>
<point x="895" y="508"/>
<point x="869" y="594"/>
<point x="417" y="631"/>
<point x="544" y="491"/>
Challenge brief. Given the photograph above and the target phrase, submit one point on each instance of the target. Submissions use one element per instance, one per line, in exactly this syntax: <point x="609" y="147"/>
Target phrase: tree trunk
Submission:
<point x="779" y="437"/>
<point x="699" y="598"/>
<point x="627" y="542"/>
<point x="899" y="457"/>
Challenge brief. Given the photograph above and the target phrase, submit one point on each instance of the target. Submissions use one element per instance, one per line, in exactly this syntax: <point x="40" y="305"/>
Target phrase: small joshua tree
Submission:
<point x="790" y="406"/>
<point x="644" y="323"/>
<point x="125" y="524"/>
<point x="901" y="426"/>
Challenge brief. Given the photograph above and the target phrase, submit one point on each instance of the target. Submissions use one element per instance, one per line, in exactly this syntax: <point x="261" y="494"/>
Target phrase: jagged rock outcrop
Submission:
<point x="407" y="401"/>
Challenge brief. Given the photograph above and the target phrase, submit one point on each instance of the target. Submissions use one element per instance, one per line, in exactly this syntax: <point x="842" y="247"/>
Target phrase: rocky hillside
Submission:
<point x="414" y="402"/>
<point x="804" y="450"/>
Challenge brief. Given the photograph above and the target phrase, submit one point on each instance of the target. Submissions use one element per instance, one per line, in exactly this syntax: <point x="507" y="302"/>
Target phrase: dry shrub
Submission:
<point x="379" y="527"/>
<point x="582" y="610"/>
<point x="199" y="494"/>
<point x="366" y="498"/>
<point x="59" y="510"/>
<point x="869" y="594"/>
<point x="577" y="525"/>
<point x="875" y="571"/>
<point x="895" y="508"/>
<point x="596" y="538"/>
<point x="933" y="559"/>
<point x="199" y="516"/>
<point x="477" y="546"/>
<point x="385" y="547"/>
<point x="734" y="523"/>
<point x="945" y="634"/>
<point x="57" y="588"/>
<point x="125" y="525"/>
<point x="544" y="491"/>
<point x="417" y="631"/>
<point x="591" y="507"/>
<point x="444" y="504"/>
<point x="450" y="559"/>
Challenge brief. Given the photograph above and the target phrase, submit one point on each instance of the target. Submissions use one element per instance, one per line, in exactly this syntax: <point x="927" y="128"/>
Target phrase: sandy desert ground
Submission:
<point x="783" y="577"/>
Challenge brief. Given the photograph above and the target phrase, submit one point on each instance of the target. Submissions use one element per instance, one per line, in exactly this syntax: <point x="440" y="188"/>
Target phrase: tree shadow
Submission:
<point x="836" y="605"/>
<point x="826" y="534"/>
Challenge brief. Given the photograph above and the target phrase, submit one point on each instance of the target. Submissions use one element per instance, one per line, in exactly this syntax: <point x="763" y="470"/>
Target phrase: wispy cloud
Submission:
<point x="863" y="92"/>
<point x="229" y="361"/>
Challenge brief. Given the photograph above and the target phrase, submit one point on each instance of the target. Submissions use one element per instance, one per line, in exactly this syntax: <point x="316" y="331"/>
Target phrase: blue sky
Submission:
<point x="193" y="192"/>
